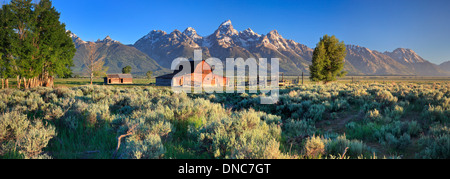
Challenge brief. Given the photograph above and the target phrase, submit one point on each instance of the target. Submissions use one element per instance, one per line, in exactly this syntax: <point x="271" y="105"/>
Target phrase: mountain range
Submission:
<point x="445" y="66"/>
<point x="117" y="56"/>
<point x="158" y="49"/>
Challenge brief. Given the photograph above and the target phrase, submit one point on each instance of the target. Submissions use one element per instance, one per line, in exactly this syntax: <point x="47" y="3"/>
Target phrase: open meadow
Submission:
<point x="393" y="117"/>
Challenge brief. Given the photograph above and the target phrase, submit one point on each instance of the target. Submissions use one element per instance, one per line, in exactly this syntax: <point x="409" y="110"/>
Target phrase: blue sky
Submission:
<point x="382" y="25"/>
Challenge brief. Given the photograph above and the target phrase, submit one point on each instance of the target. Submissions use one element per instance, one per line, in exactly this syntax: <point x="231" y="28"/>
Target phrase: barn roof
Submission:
<point x="191" y="63"/>
<point x="167" y="76"/>
<point x="120" y="76"/>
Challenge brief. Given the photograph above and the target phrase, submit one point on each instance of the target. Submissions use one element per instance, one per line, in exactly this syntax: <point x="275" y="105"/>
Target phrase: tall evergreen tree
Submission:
<point x="328" y="60"/>
<point x="318" y="62"/>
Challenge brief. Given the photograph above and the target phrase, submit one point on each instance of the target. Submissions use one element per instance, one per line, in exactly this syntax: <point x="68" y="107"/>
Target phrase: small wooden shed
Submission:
<point x="119" y="79"/>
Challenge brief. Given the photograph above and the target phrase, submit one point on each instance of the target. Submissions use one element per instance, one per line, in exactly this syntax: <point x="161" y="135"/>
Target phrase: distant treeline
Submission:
<point x="34" y="45"/>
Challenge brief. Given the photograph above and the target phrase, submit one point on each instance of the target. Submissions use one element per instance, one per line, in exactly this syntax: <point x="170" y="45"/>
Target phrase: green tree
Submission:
<point x="2" y="71"/>
<point x="56" y="47"/>
<point x="328" y="60"/>
<point x="24" y="40"/>
<point x="40" y="47"/>
<point x="126" y="70"/>
<point x="6" y="32"/>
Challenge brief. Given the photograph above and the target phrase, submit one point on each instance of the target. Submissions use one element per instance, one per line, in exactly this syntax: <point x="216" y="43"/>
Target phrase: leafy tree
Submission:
<point x="2" y="66"/>
<point x="24" y="47"/>
<point x="328" y="60"/>
<point x="126" y="70"/>
<point x="39" y="46"/>
<point x="6" y="32"/>
<point x="56" y="46"/>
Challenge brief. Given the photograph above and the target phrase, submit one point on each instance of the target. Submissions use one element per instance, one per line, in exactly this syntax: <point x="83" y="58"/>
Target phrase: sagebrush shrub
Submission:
<point x="150" y="147"/>
<point x="436" y="114"/>
<point x="232" y="136"/>
<point x="315" y="147"/>
<point x="435" y="147"/>
<point x="298" y="128"/>
<point x="374" y="115"/>
<point x="355" y="148"/>
<point x="394" y="114"/>
<point x="385" y="97"/>
<point x="315" y="112"/>
<point x="400" y="143"/>
<point x="234" y="125"/>
<point x="19" y="134"/>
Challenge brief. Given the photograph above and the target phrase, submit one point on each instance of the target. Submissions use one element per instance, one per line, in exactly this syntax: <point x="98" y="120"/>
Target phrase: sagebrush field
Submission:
<point x="338" y="120"/>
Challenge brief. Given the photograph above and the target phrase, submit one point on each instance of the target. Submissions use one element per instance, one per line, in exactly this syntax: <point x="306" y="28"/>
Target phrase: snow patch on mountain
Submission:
<point x="226" y="42"/>
<point x="192" y="33"/>
<point x="226" y="23"/>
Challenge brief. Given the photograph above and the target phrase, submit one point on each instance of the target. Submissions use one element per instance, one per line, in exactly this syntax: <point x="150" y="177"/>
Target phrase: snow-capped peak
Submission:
<point x="76" y="39"/>
<point x="226" y="26"/>
<point x="247" y="37"/>
<point x="192" y="33"/>
<point x="226" y="23"/>
<point x="72" y="35"/>
<point x="250" y="32"/>
<point x="226" y="29"/>
<point x="190" y="30"/>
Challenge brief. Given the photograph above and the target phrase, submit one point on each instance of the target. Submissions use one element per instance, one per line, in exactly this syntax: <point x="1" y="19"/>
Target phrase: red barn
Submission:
<point x="199" y="74"/>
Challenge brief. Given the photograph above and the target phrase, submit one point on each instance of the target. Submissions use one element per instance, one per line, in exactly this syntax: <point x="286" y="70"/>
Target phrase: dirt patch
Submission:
<point x="339" y="125"/>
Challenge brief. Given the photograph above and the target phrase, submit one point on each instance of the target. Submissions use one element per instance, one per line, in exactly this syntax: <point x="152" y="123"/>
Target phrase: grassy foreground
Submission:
<point x="338" y="120"/>
<point x="74" y="82"/>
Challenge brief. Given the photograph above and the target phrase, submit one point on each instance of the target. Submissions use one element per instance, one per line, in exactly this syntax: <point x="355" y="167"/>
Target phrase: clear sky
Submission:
<point x="382" y="25"/>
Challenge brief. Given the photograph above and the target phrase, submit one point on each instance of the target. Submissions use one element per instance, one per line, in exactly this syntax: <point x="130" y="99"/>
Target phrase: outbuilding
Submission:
<point x="119" y="79"/>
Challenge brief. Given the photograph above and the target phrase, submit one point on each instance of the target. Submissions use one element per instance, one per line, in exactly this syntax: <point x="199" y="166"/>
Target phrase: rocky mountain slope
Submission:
<point x="445" y="66"/>
<point x="227" y="42"/>
<point x="414" y="63"/>
<point x="117" y="56"/>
